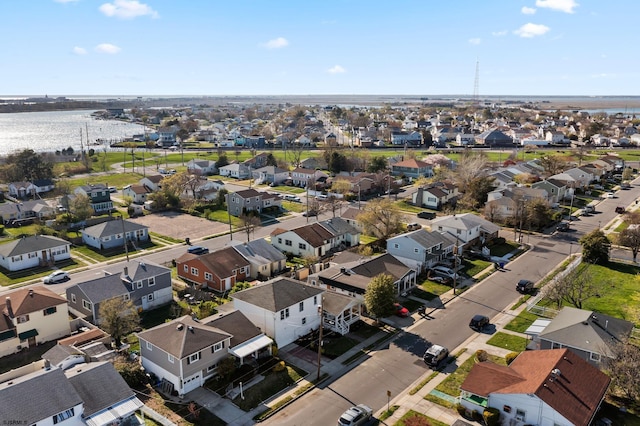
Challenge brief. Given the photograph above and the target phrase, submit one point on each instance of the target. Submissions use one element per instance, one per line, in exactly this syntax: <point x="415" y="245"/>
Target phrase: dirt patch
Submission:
<point x="181" y="225"/>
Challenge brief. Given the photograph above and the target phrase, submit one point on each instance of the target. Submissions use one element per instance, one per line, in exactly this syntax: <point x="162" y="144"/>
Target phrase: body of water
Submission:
<point x="56" y="130"/>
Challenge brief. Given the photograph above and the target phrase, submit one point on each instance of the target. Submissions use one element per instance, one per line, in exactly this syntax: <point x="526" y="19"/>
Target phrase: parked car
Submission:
<point x="589" y="209"/>
<point x="563" y="227"/>
<point x="356" y="416"/>
<point x="400" y="310"/>
<point x="56" y="277"/>
<point x="435" y="355"/>
<point x="478" y="322"/>
<point x="443" y="270"/>
<point x="310" y="213"/>
<point x="413" y="226"/>
<point x="625" y="185"/>
<point x="293" y="198"/>
<point x="440" y="279"/>
<point x="426" y="215"/>
<point x="620" y="209"/>
<point x="610" y="195"/>
<point x="197" y="250"/>
<point x="524" y="286"/>
<point x="113" y="189"/>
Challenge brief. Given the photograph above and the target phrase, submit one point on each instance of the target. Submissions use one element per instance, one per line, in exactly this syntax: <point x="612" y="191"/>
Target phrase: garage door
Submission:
<point x="192" y="383"/>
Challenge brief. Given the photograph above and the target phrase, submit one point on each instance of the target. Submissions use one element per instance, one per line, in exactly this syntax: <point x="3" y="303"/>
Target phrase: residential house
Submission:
<point x="31" y="316"/>
<point x="421" y="249"/>
<point x="550" y="387"/>
<point x="185" y="352"/>
<point x="591" y="335"/>
<point x="99" y="197"/>
<point x="436" y="195"/>
<point x="284" y="309"/>
<point x="166" y="137"/>
<point x="22" y="190"/>
<point x="235" y="170"/>
<point x="266" y="261"/>
<point x="29" y="209"/>
<point x="258" y="161"/>
<point x="350" y="215"/>
<point x="270" y="174"/>
<point x="411" y="168"/>
<point x="219" y="270"/>
<point x="316" y="239"/>
<point x="555" y="137"/>
<point x="506" y="203"/>
<point x="302" y="177"/>
<point x="146" y="284"/>
<point x="574" y="178"/>
<point x="200" y="167"/>
<point x="406" y="138"/>
<point x="33" y="251"/>
<point x="113" y="233"/>
<point x="361" y="184"/>
<point x="44" y="185"/>
<point x="467" y="229"/>
<point x="250" y="200"/>
<point x="556" y="189"/>
<point x="153" y="182"/>
<point x="137" y="193"/>
<point x="351" y="274"/>
<point x="494" y="138"/>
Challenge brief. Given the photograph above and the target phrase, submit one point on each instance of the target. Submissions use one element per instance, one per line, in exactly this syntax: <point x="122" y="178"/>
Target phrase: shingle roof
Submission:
<point x="138" y="270"/>
<point x="412" y="163"/>
<point x="113" y="227"/>
<point x="183" y="336"/>
<point x="33" y="299"/>
<point x="338" y="226"/>
<point x="248" y="193"/>
<point x="559" y="377"/>
<point x="102" y="288"/>
<point x="260" y="251"/>
<point x="359" y="273"/>
<point x="315" y="234"/>
<point x="30" y="398"/>
<point x="275" y="295"/>
<point x="222" y="262"/>
<point x="59" y="353"/>
<point x="236" y="324"/>
<point x="31" y="244"/>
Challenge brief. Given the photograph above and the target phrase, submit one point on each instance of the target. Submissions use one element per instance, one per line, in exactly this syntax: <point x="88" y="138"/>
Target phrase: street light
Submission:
<point x="321" y="313"/>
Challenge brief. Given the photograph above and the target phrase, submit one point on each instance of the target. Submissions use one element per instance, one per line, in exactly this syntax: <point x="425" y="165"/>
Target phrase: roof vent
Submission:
<point x="190" y="329"/>
<point x="179" y="327"/>
<point x="31" y="292"/>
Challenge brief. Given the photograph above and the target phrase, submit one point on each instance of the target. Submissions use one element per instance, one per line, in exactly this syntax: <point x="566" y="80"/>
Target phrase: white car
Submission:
<point x="443" y="270"/>
<point x="610" y="195"/>
<point x="356" y="416"/>
<point x="56" y="277"/>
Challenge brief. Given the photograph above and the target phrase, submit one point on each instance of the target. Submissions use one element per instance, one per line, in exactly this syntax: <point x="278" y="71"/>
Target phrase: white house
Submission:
<point x="36" y="250"/>
<point x="466" y="228"/>
<point x="236" y="170"/>
<point x="421" y="249"/>
<point x="284" y="309"/>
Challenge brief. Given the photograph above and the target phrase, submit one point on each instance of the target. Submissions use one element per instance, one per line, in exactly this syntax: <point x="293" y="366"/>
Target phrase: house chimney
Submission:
<point x="9" y="308"/>
<point x="126" y="271"/>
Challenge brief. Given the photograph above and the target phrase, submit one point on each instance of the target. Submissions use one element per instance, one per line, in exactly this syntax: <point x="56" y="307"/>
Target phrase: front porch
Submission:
<point x="340" y="312"/>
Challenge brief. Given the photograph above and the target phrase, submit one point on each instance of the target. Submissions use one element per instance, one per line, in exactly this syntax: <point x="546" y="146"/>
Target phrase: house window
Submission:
<point x="86" y="304"/>
<point x="595" y="357"/>
<point x="506" y="409"/>
<point x="139" y="284"/>
<point x="302" y="246"/>
<point x="61" y="417"/>
<point x="556" y="345"/>
<point x="396" y="245"/>
<point x="152" y="281"/>
<point x="218" y="346"/>
<point x="149" y="346"/>
<point x="415" y="250"/>
<point x="284" y="314"/>
<point x="126" y="297"/>
<point x="301" y="306"/>
<point x="186" y="268"/>
<point x="212" y="367"/>
<point x="193" y="358"/>
<point x="287" y="243"/>
<point x="170" y="358"/>
<point x="315" y="298"/>
<point x="23" y="318"/>
<point x="304" y="321"/>
<point x="50" y="311"/>
<point x="208" y="276"/>
<point x="73" y="298"/>
<point x="194" y="271"/>
<point x="150" y="297"/>
<point x="520" y="415"/>
<point x="279" y="240"/>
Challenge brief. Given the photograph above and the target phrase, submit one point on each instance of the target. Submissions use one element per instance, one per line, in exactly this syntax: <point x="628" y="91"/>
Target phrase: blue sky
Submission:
<point x="281" y="47"/>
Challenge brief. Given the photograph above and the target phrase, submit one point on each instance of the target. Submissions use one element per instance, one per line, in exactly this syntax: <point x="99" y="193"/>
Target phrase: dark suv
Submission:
<point x="524" y="286"/>
<point x="478" y="322"/>
<point x="426" y="215"/>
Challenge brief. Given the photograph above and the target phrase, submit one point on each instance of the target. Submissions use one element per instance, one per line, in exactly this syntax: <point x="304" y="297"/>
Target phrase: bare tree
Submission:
<point x="623" y="369"/>
<point x="381" y="218"/>
<point x="118" y="317"/>
<point x="249" y="223"/>
<point x="630" y="237"/>
<point x="575" y="287"/>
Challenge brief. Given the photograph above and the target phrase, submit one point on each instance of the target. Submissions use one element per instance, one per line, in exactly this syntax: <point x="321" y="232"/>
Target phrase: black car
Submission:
<point x="478" y="322"/>
<point x="427" y="215"/>
<point x="524" y="286"/>
<point x="198" y="250"/>
<point x="563" y="227"/>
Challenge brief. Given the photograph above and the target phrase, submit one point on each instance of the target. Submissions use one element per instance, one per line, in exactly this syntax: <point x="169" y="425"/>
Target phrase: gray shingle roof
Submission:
<point x="260" y="251"/>
<point x="99" y="385"/>
<point x="138" y="270"/>
<point x="277" y="294"/>
<point x="236" y="324"/>
<point x="31" y="244"/>
<point x="338" y="226"/>
<point x="59" y="353"/>
<point x="102" y="288"/>
<point x="31" y="398"/>
<point x="113" y="227"/>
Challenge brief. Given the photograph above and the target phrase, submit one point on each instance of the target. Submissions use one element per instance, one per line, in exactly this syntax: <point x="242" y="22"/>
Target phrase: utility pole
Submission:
<point x="455" y="261"/>
<point x="321" y="313"/>
<point x="124" y="236"/>
<point x="229" y="214"/>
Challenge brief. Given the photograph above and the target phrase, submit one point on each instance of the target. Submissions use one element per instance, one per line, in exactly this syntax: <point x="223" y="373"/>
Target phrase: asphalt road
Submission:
<point x="398" y="364"/>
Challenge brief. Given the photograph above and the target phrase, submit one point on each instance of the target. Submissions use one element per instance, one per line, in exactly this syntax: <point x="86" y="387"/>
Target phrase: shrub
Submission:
<point x="461" y="410"/>
<point x="131" y="372"/>
<point x="511" y="356"/>
<point x="481" y="355"/>
<point x="281" y="366"/>
<point x="475" y="415"/>
<point x="491" y="416"/>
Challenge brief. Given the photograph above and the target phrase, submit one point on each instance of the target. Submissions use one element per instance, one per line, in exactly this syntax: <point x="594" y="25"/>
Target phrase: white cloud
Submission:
<point x="475" y="41"/>
<point x="566" y="6"/>
<point x="111" y="49"/>
<point x="79" y="50"/>
<point x="531" y="30"/>
<point x="336" y="69"/>
<point x="276" y="43"/>
<point x="528" y="10"/>
<point x="127" y="9"/>
<point x="499" y="33"/>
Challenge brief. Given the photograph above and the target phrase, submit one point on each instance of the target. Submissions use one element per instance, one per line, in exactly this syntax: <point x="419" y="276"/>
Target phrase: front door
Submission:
<point x="31" y="341"/>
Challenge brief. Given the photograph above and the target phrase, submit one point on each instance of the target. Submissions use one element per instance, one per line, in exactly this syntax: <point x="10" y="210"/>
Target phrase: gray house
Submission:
<point x="185" y="352"/>
<point x="109" y="234"/>
<point x="421" y="249"/>
<point x="250" y="200"/>
<point x="266" y="260"/>
<point x="270" y="174"/>
<point x="555" y="188"/>
<point x="147" y="285"/>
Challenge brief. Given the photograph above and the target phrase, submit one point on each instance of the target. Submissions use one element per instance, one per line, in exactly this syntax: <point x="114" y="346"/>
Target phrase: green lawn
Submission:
<point x="508" y="341"/>
<point x="473" y="267"/>
<point x="451" y="385"/>
<point x="273" y="383"/>
<point x="336" y="345"/>
<point x="521" y="322"/>
<point x="223" y="217"/>
<point x="502" y="249"/>
<point x="115" y="179"/>
<point x="429" y="290"/>
<point x="408" y="419"/>
<point x="294" y="207"/>
<point x="406" y="207"/>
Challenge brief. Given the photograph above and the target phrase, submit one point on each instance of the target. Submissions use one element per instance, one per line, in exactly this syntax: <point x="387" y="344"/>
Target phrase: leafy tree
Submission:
<point x="222" y="161"/>
<point x="131" y="372"/>
<point x="595" y="247"/>
<point x="271" y="160"/>
<point x="575" y="287"/>
<point x="381" y="218"/>
<point x="623" y="369"/>
<point x="26" y="165"/>
<point x="249" y="223"/>
<point x="377" y="164"/>
<point x="538" y="213"/>
<point x="118" y="317"/>
<point x="340" y="186"/>
<point x="337" y="162"/>
<point x="80" y="207"/>
<point x="379" y="296"/>
<point x="552" y="164"/>
<point x="630" y="237"/>
<point x="627" y="173"/>
<point x="183" y="135"/>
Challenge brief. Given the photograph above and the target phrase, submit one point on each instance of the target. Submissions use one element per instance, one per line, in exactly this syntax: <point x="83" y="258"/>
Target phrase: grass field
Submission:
<point x="508" y="341"/>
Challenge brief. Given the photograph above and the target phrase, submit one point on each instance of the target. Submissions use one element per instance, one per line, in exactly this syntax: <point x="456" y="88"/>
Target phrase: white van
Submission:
<point x="322" y="197"/>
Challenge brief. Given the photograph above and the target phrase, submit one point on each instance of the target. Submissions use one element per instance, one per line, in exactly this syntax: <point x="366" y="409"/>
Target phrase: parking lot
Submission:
<point x="181" y="225"/>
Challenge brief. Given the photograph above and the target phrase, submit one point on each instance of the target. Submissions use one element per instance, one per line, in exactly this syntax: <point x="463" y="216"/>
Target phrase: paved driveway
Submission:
<point x="181" y="225"/>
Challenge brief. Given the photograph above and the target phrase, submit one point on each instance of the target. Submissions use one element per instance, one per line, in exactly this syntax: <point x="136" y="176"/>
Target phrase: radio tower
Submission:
<point x="476" y="84"/>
